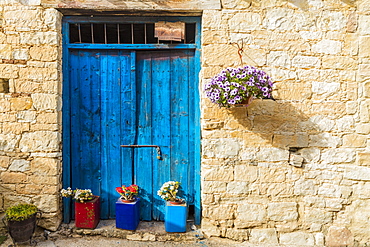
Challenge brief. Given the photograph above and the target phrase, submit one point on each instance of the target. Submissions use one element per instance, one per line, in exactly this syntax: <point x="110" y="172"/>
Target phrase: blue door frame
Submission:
<point x="132" y="50"/>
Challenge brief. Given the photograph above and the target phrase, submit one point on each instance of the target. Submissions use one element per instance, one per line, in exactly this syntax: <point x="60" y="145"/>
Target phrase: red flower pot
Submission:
<point x="87" y="214"/>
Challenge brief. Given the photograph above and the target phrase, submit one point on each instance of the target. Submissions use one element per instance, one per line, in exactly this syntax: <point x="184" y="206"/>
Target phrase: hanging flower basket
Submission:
<point x="235" y="86"/>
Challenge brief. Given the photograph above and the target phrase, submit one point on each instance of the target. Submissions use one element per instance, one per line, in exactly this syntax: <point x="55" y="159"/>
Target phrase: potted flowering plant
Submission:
<point x="168" y="192"/>
<point x="21" y="222"/>
<point x="235" y="86"/>
<point x="128" y="207"/>
<point x="176" y="210"/>
<point x="87" y="207"/>
<point x="128" y="193"/>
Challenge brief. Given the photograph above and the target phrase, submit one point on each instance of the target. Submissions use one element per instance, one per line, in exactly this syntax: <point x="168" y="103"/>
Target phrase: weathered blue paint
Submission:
<point x="127" y="96"/>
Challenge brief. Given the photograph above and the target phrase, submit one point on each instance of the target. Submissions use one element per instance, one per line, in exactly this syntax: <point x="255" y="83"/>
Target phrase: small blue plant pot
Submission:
<point x="175" y="217"/>
<point x="127" y="214"/>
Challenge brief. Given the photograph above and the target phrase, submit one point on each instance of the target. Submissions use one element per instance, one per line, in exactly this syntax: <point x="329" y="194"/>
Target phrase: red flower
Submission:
<point x="119" y="190"/>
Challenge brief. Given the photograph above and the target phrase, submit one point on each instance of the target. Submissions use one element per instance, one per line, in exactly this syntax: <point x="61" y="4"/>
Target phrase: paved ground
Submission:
<point x="151" y="234"/>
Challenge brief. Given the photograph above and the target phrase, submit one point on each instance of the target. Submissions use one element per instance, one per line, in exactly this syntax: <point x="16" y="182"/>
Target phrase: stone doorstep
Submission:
<point x="146" y="231"/>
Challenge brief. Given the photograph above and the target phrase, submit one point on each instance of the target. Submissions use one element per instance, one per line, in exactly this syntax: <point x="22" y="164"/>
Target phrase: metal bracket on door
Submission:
<point x="159" y="153"/>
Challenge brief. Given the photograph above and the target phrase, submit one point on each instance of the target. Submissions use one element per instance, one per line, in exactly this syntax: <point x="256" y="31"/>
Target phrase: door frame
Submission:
<point x="66" y="110"/>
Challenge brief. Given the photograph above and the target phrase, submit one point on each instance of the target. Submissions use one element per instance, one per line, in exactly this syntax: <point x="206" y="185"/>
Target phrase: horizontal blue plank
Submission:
<point x="122" y="19"/>
<point x="131" y="46"/>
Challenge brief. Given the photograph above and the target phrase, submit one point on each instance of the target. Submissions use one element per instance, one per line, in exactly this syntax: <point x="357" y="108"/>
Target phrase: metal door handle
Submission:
<point x="159" y="153"/>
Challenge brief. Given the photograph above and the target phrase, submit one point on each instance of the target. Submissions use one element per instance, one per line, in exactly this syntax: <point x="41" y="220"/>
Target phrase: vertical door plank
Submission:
<point x="144" y="156"/>
<point x="161" y="110"/>
<point x="180" y="122"/>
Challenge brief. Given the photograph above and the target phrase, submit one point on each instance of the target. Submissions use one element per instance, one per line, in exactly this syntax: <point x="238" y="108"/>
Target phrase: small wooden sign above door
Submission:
<point x="174" y="31"/>
<point x="137" y="5"/>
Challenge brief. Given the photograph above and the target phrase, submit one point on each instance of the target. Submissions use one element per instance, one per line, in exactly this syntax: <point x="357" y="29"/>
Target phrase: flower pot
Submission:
<point x="178" y="202"/>
<point x="22" y="231"/>
<point x="127" y="201"/>
<point x="87" y="214"/>
<point x="175" y="217"/>
<point x="127" y="214"/>
<point x="245" y="102"/>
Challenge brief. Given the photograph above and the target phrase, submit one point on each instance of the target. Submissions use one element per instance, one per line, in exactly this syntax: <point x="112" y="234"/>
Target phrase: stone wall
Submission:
<point x="30" y="108"/>
<point x="295" y="170"/>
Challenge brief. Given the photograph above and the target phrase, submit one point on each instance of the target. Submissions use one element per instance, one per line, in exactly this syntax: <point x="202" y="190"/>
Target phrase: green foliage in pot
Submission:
<point x="20" y="212"/>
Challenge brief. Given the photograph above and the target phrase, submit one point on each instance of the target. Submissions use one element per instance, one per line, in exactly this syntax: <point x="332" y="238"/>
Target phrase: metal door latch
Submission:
<point x="159" y="153"/>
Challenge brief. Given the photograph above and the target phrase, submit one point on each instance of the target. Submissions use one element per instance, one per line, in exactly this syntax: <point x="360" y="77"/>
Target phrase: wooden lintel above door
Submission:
<point x="130" y="5"/>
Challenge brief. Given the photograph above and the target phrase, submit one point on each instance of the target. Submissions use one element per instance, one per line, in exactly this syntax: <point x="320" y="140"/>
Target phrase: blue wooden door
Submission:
<point x="120" y="97"/>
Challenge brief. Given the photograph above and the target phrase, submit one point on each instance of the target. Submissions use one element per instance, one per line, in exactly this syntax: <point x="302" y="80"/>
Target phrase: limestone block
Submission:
<point x="219" y="212"/>
<point x="304" y="187"/>
<point x="357" y="173"/>
<point x="4" y="105"/>
<point x="47" y="203"/>
<point x="364" y="43"/>
<point x="364" y="71"/>
<point x="40" y="74"/>
<point x="24" y="19"/>
<point x="324" y="140"/>
<point x="50" y="221"/>
<point x="245" y="173"/>
<point x="221" y="148"/>
<point x="213" y="187"/>
<point x="279" y="74"/>
<point x="47" y="118"/>
<point x="236" y="4"/>
<point x="13" y="177"/>
<point x="4" y="163"/>
<point x="279" y="59"/>
<point x="26" y="116"/>
<point x="277" y="189"/>
<point x="44" y="102"/>
<point x="42" y="179"/>
<point x="338" y="236"/>
<point x="6" y="52"/>
<point x="364" y="24"/>
<point x="265" y="236"/>
<point x="314" y="201"/>
<point x="319" y="239"/>
<point x="365" y="111"/>
<point x="51" y="127"/>
<point x="325" y="89"/>
<point x="306" y="62"/>
<point x="11" y="200"/>
<point x="334" y="204"/>
<point x="39" y="38"/>
<point x="218" y="173"/>
<point x="345" y="124"/>
<point x="10" y="71"/>
<point x="272" y="175"/>
<point x="338" y="62"/>
<point x="317" y="216"/>
<point x="362" y="190"/>
<point x="20" y="103"/>
<point x="8" y="142"/>
<point x="44" y="53"/>
<point x="282" y="211"/>
<point x="15" y="128"/>
<point x="354" y="140"/>
<point x="243" y="21"/>
<point x="327" y="46"/>
<point x="297" y="239"/>
<point x="21" y="54"/>
<point x="220" y="55"/>
<point x="254" y="57"/>
<point x="214" y="37"/>
<point x="237" y="234"/>
<point x="210" y="229"/>
<point x="20" y="165"/>
<point x="329" y="190"/>
<point x="45" y="166"/>
<point x="332" y="21"/>
<point x="237" y="187"/>
<point x="351" y="44"/>
<point x="363" y="128"/>
<point x="52" y="18"/>
<point x="273" y="154"/>
<point x="310" y="154"/>
<point x="311" y="35"/>
<point x="280" y="19"/>
<point x="250" y="212"/>
<point x="214" y="20"/>
<point x="40" y="141"/>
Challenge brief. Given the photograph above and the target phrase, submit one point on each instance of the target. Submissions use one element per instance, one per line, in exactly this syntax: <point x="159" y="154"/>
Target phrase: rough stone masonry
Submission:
<point x="294" y="170"/>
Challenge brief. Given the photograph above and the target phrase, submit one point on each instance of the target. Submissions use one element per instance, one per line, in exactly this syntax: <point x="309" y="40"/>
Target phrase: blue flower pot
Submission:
<point x="127" y="214"/>
<point x="175" y="217"/>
